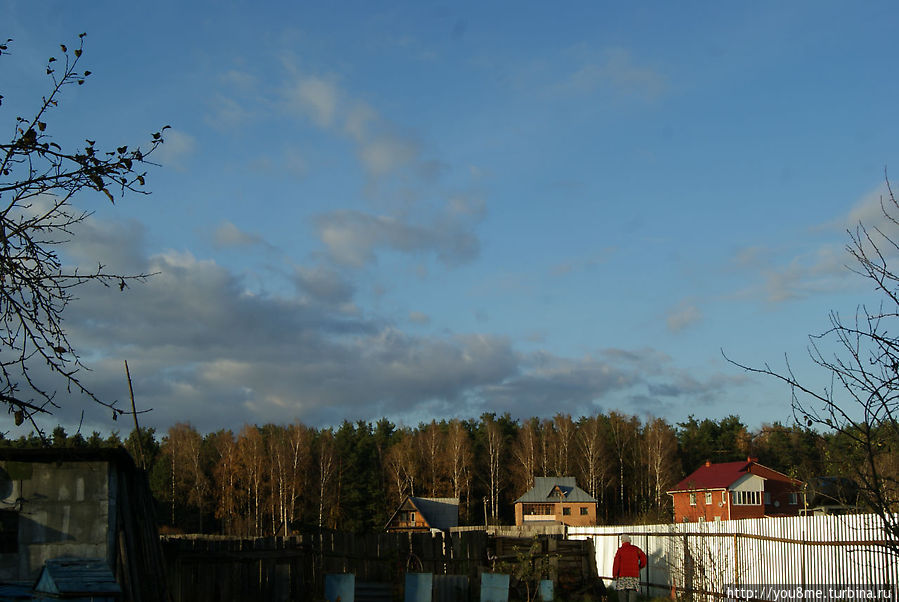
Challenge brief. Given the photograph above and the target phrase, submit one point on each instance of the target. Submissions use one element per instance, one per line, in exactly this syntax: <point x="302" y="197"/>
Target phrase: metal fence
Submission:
<point x="787" y="553"/>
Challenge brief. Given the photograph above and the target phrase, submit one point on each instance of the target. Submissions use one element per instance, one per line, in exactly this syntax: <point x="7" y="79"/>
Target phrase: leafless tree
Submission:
<point x="591" y="455"/>
<point x="39" y="183"/>
<point x="460" y="457"/>
<point x="563" y="434"/>
<point x="225" y="477"/>
<point x="860" y="355"/>
<point x="431" y="443"/>
<point x="526" y="452"/>
<point x="660" y="447"/>
<point x="402" y="465"/>
<point x="326" y="472"/>
<point x="496" y="446"/>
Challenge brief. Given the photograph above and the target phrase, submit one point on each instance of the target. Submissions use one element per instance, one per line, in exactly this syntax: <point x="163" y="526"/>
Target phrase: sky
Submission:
<point x="422" y="211"/>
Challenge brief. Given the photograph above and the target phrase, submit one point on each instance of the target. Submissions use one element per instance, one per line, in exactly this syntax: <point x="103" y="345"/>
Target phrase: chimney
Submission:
<point x="708" y="463"/>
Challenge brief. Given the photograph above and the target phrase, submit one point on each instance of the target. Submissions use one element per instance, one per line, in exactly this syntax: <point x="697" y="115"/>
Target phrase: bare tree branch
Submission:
<point x="39" y="181"/>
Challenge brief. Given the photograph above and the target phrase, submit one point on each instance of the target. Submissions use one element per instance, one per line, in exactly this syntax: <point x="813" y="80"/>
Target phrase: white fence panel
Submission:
<point x="791" y="551"/>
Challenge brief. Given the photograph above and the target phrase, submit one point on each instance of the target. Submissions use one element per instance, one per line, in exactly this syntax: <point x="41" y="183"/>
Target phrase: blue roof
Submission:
<point x="555" y="489"/>
<point x="441" y="513"/>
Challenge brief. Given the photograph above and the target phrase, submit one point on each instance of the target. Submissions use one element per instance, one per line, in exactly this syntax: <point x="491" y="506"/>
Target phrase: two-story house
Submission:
<point x="732" y="490"/>
<point x="556" y="500"/>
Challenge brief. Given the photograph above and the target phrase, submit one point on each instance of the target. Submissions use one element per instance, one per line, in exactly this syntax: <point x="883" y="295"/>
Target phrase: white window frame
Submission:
<point x="692" y="498"/>
<point x="708" y="498"/>
<point x="747" y="498"/>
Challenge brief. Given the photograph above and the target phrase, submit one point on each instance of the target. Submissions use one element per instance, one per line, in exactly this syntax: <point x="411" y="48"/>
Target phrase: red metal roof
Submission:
<point x="714" y="476"/>
<point x="725" y="474"/>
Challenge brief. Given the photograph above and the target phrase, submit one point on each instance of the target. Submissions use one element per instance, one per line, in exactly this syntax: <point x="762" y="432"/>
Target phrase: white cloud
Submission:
<point x="227" y="113"/>
<point x="386" y="153"/>
<point x="380" y="147"/>
<point x="354" y="237"/>
<point x="176" y="149"/>
<point x="790" y="273"/>
<point x="200" y="348"/>
<point x="417" y="317"/>
<point x="613" y="71"/>
<point x="316" y="98"/>
<point x="683" y="316"/>
<point x="227" y="235"/>
<point x="242" y="80"/>
<point x="324" y="285"/>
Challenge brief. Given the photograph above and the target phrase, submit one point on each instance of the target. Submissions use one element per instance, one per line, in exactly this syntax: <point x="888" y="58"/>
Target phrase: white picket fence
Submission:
<point x="790" y="552"/>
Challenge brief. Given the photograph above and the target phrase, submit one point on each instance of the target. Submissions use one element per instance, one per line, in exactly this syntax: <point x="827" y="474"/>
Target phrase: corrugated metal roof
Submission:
<point x="713" y="476"/>
<point x="725" y="474"/>
<point x="550" y="489"/>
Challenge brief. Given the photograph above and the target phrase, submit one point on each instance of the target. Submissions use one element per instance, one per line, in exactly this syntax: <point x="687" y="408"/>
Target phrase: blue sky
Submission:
<point x="423" y="211"/>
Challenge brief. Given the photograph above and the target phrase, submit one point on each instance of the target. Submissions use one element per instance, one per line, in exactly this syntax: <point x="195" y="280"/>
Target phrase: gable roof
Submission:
<point x="438" y="512"/>
<point x="555" y="489"/>
<point x="713" y="476"/>
<point x="725" y="474"/>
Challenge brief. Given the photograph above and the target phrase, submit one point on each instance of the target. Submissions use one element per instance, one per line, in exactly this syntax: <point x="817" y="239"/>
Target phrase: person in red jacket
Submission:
<point x="629" y="559"/>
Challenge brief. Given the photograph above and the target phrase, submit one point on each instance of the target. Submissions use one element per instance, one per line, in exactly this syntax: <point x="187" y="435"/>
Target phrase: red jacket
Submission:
<point x="628" y="561"/>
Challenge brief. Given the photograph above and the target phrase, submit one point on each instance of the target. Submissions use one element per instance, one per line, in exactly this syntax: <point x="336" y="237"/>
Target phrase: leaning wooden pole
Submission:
<point x="140" y="443"/>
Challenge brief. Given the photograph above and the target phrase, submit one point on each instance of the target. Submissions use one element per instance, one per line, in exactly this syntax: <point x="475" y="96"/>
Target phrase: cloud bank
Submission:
<point x="201" y="347"/>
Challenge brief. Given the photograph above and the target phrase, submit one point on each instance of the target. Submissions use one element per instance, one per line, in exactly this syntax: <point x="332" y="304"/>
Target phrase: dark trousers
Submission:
<point x="627" y="595"/>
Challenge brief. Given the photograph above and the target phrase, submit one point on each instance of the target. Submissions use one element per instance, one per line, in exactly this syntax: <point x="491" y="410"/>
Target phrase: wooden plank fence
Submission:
<point x="791" y="552"/>
<point x="293" y="568"/>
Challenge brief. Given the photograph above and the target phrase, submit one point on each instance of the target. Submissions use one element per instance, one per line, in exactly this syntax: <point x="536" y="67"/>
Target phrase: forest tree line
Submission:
<point x="276" y="479"/>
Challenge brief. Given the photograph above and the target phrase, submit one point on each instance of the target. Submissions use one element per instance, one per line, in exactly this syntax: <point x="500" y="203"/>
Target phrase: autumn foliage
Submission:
<point x="280" y="479"/>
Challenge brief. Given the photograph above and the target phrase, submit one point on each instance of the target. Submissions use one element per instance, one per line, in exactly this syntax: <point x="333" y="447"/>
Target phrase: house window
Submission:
<point x="717" y="519"/>
<point x="537" y="509"/>
<point x="412" y="517"/>
<point x="794" y="498"/>
<point x="708" y="498"/>
<point x="747" y="498"/>
<point x="701" y="519"/>
<point x="566" y="511"/>
<point x="692" y="499"/>
<point x="723" y="497"/>
<point x="584" y="511"/>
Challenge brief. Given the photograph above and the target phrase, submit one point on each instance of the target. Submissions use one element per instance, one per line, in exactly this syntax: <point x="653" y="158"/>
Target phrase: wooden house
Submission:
<point x="732" y="490"/>
<point x="556" y="500"/>
<point x="424" y="514"/>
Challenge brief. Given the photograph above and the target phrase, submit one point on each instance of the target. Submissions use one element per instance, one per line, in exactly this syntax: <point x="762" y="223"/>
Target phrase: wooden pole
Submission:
<point x="140" y="443"/>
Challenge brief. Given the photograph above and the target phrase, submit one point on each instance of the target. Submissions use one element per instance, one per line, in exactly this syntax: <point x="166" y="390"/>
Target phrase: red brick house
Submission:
<point x="555" y="500"/>
<point x="733" y="490"/>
